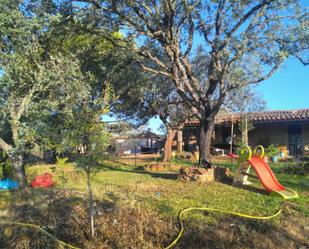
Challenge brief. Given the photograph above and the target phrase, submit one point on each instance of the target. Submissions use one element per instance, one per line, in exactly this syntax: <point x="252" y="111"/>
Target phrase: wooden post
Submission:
<point x="135" y="154"/>
<point x="232" y="135"/>
<point x="246" y="130"/>
<point x="179" y="141"/>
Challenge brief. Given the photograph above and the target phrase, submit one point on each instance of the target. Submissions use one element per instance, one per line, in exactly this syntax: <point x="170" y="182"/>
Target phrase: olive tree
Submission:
<point x="34" y="85"/>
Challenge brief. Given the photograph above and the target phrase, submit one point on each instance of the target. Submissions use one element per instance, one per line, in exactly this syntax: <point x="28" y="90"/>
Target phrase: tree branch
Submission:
<point x="302" y="61"/>
<point x="218" y="18"/>
<point x="204" y="29"/>
<point x="265" y="77"/>
<point x="158" y="72"/>
<point x="242" y="21"/>
<point x="190" y="38"/>
<point x="144" y="52"/>
<point x="248" y="15"/>
<point x="5" y="146"/>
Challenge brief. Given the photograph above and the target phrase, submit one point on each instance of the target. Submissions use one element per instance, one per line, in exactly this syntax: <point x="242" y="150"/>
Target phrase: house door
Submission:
<point x="295" y="141"/>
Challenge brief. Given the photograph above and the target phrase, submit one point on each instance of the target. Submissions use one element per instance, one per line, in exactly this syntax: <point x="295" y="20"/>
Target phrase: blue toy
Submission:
<point x="8" y="184"/>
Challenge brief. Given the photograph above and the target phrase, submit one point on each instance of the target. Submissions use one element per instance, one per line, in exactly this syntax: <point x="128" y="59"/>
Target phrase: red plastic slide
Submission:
<point x="265" y="174"/>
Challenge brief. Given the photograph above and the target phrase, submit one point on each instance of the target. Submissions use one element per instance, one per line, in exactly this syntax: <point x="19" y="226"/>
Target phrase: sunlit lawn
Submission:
<point x="162" y="192"/>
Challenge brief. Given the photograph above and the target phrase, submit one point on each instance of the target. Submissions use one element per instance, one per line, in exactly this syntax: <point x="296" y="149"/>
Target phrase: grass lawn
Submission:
<point x="145" y="206"/>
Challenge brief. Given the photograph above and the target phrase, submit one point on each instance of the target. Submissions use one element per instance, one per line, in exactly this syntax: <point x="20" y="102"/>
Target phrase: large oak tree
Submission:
<point x="236" y="36"/>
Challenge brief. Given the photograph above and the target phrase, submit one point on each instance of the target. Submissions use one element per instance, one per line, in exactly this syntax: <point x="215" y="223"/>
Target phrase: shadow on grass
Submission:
<point x="302" y="185"/>
<point x="253" y="188"/>
<point x="61" y="214"/>
<point x="140" y="170"/>
<point x="119" y="226"/>
<point x="236" y="232"/>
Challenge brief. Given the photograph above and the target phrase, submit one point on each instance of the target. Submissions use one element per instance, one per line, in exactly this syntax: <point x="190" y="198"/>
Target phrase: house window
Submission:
<point x="295" y="141"/>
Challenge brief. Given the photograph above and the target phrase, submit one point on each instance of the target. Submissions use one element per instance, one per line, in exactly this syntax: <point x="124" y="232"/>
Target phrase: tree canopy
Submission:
<point x="53" y="89"/>
<point x="244" y="42"/>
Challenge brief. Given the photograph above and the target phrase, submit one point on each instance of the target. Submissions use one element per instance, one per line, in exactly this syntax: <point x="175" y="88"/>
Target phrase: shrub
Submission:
<point x="6" y="168"/>
<point x="60" y="163"/>
<point x="296" y="169"/>
<point x="272" y="150"/>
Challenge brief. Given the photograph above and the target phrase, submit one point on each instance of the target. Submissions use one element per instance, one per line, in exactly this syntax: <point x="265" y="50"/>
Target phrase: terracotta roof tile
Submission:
<point x="265" y="116"/>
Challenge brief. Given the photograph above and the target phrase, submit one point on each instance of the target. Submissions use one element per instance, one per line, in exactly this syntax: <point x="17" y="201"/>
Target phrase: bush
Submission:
<point x="239" y="145"/>
<point x="272" y="150"/>
<point x="6" y="168"/>
<point x="296" y="169"/>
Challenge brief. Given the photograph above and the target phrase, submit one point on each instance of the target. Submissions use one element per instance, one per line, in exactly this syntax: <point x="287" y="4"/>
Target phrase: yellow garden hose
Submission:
<point x="180" y="220"/>
<point x="6" y="222"/>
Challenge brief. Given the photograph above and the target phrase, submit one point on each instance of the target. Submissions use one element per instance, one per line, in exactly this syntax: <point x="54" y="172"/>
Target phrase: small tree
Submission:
<point x="60" y="166"/>
<point x="98" y="142"/>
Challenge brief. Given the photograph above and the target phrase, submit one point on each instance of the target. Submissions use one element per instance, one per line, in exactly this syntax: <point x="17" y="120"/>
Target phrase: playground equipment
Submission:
<point x="247" y="159"/>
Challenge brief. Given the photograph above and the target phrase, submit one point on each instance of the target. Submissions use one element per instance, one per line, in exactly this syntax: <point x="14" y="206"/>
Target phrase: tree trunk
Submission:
<point x="19" y="169"/>
<point x="244" y="134"/>
<point x="206" y="130"/>
<point x="167" y="156"/>
<point x="91" y="211"/>
<point x="179" y="141"/>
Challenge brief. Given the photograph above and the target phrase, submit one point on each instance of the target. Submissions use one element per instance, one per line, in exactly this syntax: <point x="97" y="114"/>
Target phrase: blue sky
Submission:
<point x="288" y="88"/>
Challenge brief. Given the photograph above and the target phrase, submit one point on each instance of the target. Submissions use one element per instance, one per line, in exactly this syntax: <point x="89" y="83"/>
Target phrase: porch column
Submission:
<point x="179" y="141"/>
<point x="244" y="132"/>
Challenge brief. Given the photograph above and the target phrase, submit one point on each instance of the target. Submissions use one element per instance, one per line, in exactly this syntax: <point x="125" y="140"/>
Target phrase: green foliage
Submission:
<point x="61" y="161"/>
<point x="7" y="169"/>
<point x="272" y="150"/>
<point x="239" y="145"/>
<point x="54" y="81"/>
<point x="296" y="169"/>
<point x="60" y="167"/>
<point x="5" y="166"/>
<point x="53" y="90"/>
<point x="34" y="85"/>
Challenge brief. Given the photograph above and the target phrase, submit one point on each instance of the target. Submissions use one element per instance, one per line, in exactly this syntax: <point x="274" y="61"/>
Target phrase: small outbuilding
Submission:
<point x="143" y="142"/>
